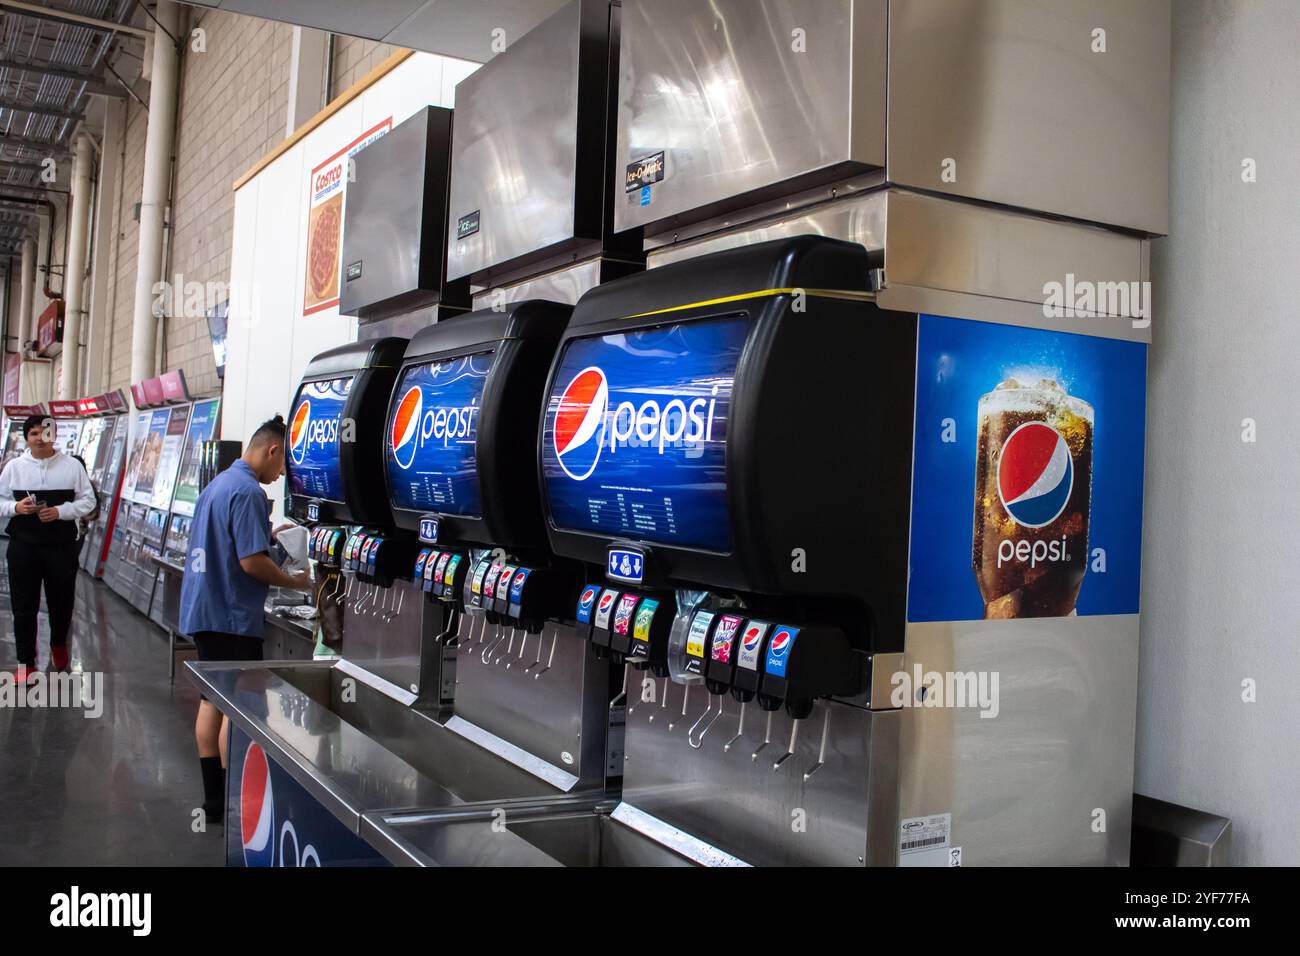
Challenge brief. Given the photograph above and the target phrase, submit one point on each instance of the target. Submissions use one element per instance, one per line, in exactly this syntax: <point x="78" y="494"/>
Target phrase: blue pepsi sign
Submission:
<point x="778" y="650"/>
<point x="636" y="433"/>
<point x="313" y="439"/>
<point x="432" y="433"/>
<point x="272" y="821"/>
<point x="1027" y="479"/>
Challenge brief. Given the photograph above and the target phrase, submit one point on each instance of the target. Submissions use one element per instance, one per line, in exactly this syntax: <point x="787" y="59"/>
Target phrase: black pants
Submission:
<point x="52" y="564"/>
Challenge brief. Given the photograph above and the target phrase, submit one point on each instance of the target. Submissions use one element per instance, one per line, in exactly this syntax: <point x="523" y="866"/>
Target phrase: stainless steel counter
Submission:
<point x="361" y="752"/>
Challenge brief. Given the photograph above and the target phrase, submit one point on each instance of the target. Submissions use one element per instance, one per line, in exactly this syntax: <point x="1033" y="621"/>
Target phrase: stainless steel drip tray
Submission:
<point x="555" y="831"/>
<point x="354" y="748"/>
<point x="581" y="829"/>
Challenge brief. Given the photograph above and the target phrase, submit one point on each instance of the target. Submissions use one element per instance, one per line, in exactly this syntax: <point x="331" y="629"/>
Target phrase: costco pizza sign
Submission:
<point x="327" y="187"/>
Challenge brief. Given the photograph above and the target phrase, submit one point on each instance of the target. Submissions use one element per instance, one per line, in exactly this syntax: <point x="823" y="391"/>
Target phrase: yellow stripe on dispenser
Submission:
<point x="815" y="293"/>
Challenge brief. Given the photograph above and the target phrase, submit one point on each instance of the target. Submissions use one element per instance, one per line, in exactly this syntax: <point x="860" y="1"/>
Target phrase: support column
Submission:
<point x="100" y="315"/>
<point x="159" y="136"/>
<point x="74" y="273"/>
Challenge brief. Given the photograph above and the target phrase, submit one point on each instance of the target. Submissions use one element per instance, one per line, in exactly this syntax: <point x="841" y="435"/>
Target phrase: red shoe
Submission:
<point x="24" y="674"/>
<point x="59" y="658"/>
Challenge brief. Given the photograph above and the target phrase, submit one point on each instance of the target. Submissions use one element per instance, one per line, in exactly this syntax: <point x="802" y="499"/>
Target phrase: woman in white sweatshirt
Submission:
<point x="43" y="493"/>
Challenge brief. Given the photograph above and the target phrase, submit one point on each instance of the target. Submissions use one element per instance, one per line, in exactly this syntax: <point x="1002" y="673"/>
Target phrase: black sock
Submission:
<point x="214" y="787"/>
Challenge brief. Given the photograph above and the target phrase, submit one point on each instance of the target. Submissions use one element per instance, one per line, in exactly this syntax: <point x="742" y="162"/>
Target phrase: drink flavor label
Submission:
<point x="644" y="618"/>
<point x="698" y="633"/>
<point x="1045" y="429"/>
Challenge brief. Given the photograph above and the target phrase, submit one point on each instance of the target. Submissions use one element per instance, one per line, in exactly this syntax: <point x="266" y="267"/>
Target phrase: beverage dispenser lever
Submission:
<point x="821" y="753"/>
<point x="789" y="750"/>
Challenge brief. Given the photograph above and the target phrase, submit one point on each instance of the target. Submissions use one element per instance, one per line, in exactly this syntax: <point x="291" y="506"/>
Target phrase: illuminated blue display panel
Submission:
<point x="432" y="433"/>
<point x="636" y="433"/>
<point x="314" y="439"/>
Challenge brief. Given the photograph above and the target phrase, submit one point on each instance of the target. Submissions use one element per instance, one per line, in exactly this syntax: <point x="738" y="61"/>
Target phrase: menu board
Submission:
<point x="203" y="424"/>
<point x="313" y="457"/>
<point x="67" y="433"/>
<point x="169" y="461"/>
<point x="432" y="435"/>
<point x="147" y="470"/>
<point x="138" y="437"/>
<point x="88" y="445"/>
<point x="636" y="433"/>
<point x="15" y="442"/>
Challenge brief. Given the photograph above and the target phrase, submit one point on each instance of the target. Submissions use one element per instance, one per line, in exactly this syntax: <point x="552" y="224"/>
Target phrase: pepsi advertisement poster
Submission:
<point x="272" y="821"/>
<point x="432" y="436"/>
<point x="636" y="433"/>
<point x="313" y="459"/>
<point x="1027" y="483"/>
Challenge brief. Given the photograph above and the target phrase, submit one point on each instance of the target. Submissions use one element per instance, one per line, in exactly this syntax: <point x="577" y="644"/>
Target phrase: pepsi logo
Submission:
<point x="1035" y="474"/>
<point x="606" y="600"/>
<point x="298" y="431"/>
<point x="588" y="596"/>
<point x="752" y="636"/>
<point x="406" y="427"/>
<point x="580" y="423"/>
<point x="780" y="643"/>
<point x="257" y="809"/>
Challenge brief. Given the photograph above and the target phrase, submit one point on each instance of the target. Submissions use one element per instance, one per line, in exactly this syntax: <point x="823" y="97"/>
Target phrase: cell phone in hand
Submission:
<point x="40" y="503"/>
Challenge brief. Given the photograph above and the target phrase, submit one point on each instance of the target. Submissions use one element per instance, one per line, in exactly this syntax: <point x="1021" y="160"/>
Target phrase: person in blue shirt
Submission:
<point x="227" y="574"/>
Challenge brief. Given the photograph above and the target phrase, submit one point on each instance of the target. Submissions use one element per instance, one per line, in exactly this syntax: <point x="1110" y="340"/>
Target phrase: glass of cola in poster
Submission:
<point x="1033" y="485"/>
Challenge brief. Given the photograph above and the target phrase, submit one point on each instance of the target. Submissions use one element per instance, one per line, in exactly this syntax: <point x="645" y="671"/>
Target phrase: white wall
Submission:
<point x="1221" y="560"/>
<point x="270" y="342"/>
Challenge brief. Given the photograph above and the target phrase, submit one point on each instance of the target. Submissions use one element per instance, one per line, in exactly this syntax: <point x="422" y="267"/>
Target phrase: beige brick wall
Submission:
<point x="354" y="58"/>
<point x="233" y="102"/>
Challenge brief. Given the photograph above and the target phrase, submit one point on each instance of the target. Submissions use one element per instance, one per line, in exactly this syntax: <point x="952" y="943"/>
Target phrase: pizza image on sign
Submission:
<point x="327" y="192"/>
<point x="324" y="229"/>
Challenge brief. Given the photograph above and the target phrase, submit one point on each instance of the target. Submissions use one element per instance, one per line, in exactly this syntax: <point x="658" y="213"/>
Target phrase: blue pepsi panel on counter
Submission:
<point x="312" y="444"/>
<point x="432" y="435"/>
<point x="636" y="433"/>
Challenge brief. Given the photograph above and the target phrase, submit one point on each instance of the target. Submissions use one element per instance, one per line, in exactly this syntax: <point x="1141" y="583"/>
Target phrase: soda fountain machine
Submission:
<point x="335" y="486"/>
<point x="1002" y="695"/>
<point x="461" y="430"/>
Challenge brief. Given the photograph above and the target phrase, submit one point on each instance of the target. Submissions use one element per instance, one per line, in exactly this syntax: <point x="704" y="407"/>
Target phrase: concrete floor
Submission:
<point x="118" y="789"/>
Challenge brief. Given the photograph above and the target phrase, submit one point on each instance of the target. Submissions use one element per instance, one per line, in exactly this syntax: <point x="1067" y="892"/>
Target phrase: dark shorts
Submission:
<point x="215" y="646"/>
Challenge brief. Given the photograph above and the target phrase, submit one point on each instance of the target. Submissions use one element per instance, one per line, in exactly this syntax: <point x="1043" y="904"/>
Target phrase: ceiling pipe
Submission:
<point x="153" y="198"/>
<point x="74" y="273"/>
<point x="26" y="294"/>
